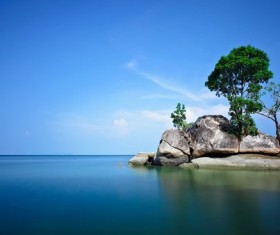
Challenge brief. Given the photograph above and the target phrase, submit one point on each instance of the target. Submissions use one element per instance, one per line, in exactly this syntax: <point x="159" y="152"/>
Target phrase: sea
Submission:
<point x="104" y="195"/>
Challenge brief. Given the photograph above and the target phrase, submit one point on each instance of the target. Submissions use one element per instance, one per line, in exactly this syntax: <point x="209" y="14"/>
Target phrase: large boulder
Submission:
<point x="210" y="136"/>
<point x="142" y="159"/>
<point x="173" y="149"/>
<point x="259" y="144"/>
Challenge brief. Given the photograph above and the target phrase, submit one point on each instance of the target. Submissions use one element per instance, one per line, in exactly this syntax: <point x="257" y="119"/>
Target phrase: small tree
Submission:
<point x="179" y="117"/>
<point x="238" y="77"/>
<point x="271" y="113"/>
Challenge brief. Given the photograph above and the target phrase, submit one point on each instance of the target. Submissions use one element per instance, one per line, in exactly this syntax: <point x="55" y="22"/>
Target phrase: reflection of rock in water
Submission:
<point x="232" y="201"/>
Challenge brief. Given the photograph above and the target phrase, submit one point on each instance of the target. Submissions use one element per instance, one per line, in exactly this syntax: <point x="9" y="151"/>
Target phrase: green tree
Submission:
<point x="239" y="77"/>
<point x="179" y="117"/>
<point x="271" y="112"/>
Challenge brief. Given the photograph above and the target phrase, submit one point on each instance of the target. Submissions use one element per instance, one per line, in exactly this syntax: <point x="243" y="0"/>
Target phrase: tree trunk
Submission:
<point x="277" y="128"/>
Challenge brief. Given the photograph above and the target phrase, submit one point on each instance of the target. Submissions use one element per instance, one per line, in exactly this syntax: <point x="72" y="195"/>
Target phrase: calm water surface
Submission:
<point x="102" y="195"/>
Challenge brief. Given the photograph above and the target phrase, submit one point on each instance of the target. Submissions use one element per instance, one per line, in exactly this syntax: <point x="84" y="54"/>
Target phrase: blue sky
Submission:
<point x="102" y="77"/>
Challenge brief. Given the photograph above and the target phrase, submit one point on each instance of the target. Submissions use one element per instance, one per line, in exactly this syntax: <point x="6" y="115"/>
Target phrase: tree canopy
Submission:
<point x="239" y="77"/>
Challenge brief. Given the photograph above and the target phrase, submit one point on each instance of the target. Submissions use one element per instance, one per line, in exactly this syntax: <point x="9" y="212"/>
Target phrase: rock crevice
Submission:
<point x="177" y="148"/>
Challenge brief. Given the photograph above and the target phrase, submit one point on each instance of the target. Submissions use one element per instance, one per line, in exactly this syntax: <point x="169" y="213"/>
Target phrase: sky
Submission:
<point x="102" y="77"/>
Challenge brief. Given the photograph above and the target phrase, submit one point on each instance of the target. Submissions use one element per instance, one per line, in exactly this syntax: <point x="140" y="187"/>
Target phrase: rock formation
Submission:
<point x="209" y="142"/>
<point x="209" y="135"/>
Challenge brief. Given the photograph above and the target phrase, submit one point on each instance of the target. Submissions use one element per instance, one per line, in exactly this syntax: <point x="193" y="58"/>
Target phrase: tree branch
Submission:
<point x="266" y="115"/>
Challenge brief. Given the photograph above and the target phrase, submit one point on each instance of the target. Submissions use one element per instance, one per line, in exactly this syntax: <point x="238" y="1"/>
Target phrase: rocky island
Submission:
<point x="213" y="140"/>
<point x="209" y="144"/>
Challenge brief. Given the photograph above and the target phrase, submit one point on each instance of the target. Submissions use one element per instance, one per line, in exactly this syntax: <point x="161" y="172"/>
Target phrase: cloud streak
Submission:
<point x="159" y="81"/>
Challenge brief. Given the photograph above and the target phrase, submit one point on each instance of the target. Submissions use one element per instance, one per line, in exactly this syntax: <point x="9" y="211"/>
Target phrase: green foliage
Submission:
<point x="239" y="77"/>
<point x="179" y="117"/>
<point x="273" y="90"/>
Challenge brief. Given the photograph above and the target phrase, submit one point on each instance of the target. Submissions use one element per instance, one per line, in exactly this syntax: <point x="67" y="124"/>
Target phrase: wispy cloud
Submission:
<point x="159" y="96"/>
<point x="126" y="123"/>
<point x="194" y="112"/>
<point x="167" y="85"/>
<point x="75" y="124"/>
<point x="132" y="64"/>
<point x="120" y="126"/>
<point x="159" y="115"/>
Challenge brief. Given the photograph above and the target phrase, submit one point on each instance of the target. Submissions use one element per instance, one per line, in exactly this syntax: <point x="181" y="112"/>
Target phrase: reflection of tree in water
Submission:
<point x="220" y="202"/>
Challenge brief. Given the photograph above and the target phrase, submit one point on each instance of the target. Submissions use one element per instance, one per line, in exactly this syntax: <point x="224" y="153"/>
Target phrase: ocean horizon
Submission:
<point x="102" y="194"/>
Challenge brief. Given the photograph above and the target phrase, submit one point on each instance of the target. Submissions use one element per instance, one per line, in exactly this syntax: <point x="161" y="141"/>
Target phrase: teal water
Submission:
<point x="103" y="195"/>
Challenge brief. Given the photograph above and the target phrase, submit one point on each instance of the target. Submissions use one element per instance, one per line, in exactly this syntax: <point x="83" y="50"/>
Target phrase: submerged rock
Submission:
<point x="209" y="135"/>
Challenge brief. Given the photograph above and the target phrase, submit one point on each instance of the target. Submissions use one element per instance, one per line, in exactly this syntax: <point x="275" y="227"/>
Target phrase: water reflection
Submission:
<point x="102" y="195"/>
<point x="204" y="201"/>
<point x="228" y="201"/>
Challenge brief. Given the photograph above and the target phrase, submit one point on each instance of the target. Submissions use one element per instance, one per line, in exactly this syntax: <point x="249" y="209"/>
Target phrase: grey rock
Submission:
<point x="209" y="135"/>
<point x="259" y="144"/>
<point x="173" y="149"/>
<point x="171" y="161"/>
<point x="142" y="159"/>
<point x="173" y="144"/>
<point x="251" y="161"/>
